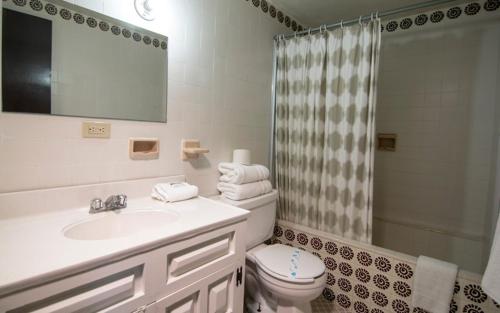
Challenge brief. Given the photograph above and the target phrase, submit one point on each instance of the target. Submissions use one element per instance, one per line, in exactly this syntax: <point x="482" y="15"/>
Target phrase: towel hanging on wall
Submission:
<point x="433" y="285"/>
<point x="491" y="277"/>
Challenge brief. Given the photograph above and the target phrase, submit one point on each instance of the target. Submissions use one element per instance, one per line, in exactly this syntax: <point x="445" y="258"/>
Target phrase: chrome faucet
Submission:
<point x="112" y="203"/>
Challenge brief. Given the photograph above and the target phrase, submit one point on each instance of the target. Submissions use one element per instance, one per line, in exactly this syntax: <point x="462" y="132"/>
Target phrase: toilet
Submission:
<point x="278" y="278"/>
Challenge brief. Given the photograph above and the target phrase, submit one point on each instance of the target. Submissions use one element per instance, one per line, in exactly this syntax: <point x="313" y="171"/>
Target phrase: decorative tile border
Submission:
<point x="440" y="15"/>
<point x="277" y="14"/>
<point x="373" y="281"/>
<point x="91" y="22"/>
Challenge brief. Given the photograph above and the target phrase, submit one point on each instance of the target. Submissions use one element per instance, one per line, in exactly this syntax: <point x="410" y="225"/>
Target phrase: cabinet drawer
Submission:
<point x="201" y="254"/>
<point x="112" y="288"/>
<point x="190" y="260"/>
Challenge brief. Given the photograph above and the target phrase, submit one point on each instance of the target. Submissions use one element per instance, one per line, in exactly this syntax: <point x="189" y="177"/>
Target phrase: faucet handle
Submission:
<point x="122" y="201"/>
<point x="96" y="205"/>
<point x="116" y="202"/>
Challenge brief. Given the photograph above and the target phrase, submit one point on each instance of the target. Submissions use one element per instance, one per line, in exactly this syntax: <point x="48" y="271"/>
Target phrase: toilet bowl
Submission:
<point x="279" y="278"/>
<point x="291" y="277"/>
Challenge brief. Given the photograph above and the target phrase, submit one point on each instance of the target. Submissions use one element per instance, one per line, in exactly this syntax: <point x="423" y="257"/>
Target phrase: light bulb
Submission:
<point x="148" y="5"/>
<point x="146" y="9"/>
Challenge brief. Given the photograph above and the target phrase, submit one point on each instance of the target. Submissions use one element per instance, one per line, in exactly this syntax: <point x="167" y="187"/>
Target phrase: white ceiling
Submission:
<point x="317" y="12"/>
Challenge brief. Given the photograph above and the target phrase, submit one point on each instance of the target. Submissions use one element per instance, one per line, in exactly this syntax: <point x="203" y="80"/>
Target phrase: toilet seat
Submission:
<point x="289" y="264"/>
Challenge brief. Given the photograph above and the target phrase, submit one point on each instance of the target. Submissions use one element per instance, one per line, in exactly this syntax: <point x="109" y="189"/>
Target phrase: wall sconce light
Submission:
<point x="145" y="9"/>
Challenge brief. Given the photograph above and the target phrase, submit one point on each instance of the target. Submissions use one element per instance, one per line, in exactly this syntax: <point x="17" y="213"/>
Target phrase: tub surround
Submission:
<point x="362" y="277"/>
<point x="35" y="249"/>
<point x="437" y="92"/>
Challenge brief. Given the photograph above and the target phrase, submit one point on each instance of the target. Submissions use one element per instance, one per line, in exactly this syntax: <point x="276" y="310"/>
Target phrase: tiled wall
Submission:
<point x="439" y="76"/>
<point x="220" y="71"/>
<point x="368" y="279"/>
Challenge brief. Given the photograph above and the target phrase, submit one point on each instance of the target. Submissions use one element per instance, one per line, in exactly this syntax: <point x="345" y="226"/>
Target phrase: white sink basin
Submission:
<point x="116" y="224"/>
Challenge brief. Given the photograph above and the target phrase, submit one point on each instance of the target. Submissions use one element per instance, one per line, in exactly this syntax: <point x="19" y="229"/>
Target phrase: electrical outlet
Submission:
<point x="96" y="130"/>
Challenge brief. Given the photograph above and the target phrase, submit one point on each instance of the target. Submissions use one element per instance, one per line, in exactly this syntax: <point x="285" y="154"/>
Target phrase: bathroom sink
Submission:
<point x="117" y="224"/>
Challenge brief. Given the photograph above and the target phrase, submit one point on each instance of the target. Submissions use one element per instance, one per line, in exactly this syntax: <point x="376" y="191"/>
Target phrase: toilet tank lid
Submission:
<point x="289" y="263"/>
<point x="251" y="203"/>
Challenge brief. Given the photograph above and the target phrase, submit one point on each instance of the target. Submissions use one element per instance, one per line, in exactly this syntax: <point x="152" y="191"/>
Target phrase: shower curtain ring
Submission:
<point x="341" y="24"/>
<point x="376" y="15"/>
<point x="360" y="17"/>
<point x="309" y="31"/>
<point x="371" y="16"/>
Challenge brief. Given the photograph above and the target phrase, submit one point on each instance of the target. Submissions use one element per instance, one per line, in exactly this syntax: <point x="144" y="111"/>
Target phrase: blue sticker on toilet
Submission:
<point x="294" y="263"/>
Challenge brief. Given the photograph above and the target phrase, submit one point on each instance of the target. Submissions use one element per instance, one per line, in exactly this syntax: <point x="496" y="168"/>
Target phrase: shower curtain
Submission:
<point x="324" y="129"/>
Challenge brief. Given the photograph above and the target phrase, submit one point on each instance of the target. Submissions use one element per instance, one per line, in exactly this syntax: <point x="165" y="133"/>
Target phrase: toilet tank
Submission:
<point x="260" y="223"/>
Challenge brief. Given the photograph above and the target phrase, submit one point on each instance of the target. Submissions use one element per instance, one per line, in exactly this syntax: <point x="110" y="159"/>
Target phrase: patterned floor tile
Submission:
<point x="321" y="305"/>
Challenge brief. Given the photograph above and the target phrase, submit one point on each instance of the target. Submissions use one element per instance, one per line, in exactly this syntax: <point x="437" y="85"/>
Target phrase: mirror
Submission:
<point x="61" y="59"/>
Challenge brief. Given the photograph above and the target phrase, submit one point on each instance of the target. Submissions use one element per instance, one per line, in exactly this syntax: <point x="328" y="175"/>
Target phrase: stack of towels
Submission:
<point x="173" y="192"/>
<point x="240" y="182"/>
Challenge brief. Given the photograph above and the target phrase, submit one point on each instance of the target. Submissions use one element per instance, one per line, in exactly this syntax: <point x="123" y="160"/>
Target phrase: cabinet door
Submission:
<point x="221" y="292"/>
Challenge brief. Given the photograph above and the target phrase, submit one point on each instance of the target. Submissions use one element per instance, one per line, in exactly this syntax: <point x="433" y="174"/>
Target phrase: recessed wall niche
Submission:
<point x="386" y="142"/>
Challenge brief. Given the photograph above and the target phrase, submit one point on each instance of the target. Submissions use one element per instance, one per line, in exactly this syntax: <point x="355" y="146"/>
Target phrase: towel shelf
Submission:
<point x="190" y="149"/>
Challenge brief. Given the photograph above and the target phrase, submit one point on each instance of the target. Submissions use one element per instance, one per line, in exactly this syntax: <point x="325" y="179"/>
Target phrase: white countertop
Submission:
<point x="33" y="248"/>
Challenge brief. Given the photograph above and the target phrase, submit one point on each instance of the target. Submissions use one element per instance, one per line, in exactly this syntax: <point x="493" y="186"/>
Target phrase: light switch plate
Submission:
<point x="96" y="130"/>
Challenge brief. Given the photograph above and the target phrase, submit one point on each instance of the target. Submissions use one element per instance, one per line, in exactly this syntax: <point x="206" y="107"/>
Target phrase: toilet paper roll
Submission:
<point x="242" y="156"/>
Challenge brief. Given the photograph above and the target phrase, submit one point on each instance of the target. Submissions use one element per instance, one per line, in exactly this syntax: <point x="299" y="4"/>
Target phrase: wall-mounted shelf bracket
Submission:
<point x="190" y="149"/>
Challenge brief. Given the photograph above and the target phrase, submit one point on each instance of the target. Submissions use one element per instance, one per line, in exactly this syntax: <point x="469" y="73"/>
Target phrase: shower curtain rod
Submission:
<point x="412" y="7"/>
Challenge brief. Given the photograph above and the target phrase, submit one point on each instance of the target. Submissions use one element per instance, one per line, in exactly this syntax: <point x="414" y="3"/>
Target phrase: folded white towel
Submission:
<point x="245" y="191"/>
<point x="433" y="285"/>
<point x="235" y="173"/>
<point x="172" y="192"/>
<point x="491" y="277"/>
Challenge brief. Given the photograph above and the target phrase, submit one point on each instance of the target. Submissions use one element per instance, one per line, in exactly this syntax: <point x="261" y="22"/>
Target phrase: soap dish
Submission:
<point x="144" y="148"/>
<point x="190" y="149"/>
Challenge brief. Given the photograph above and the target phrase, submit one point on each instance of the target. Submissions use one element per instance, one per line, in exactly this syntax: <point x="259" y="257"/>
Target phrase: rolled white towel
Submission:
<point x="235" y="173"/>
<point x="172" y="192"/>
<point x="245" y="191"/>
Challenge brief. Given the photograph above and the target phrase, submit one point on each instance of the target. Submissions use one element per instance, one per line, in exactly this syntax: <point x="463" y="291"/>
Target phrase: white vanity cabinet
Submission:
<point x="201" y="274"/>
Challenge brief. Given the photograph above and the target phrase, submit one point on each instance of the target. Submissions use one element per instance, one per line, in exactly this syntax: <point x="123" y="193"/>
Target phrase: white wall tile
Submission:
<point x="220" y="56"/>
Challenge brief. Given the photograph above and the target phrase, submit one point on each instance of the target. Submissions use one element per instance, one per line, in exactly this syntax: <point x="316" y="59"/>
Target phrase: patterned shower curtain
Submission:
<point x="325" y="111"/>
